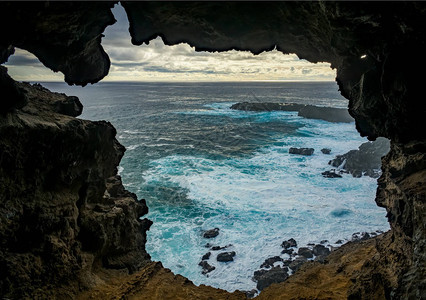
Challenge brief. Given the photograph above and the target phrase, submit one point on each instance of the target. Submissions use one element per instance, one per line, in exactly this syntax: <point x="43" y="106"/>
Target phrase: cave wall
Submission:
<point x="384" y="90"/>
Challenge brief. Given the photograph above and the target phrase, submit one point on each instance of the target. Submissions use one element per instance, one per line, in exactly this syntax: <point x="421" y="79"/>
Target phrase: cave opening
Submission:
<point x="183" y="139"/>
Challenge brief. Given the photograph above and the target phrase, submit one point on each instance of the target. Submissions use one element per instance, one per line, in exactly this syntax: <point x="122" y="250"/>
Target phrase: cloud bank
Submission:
<point x="158" y="62"/>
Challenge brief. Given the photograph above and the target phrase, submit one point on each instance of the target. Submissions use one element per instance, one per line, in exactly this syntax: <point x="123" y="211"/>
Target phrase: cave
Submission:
<point x="70" y="229"/>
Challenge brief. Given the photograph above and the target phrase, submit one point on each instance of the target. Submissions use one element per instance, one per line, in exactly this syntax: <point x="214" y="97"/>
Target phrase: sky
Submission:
<point x="158" y="62"/>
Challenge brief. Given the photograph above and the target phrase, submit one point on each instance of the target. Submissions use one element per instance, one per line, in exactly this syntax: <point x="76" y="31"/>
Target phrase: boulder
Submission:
<point x="265" y="278"/>
<point x="326" y="150"/>
<point x="289" y="243"/>
<point x="305" y="252"/>
<point x="367" y="160"/>
<point x="269" y="262"/>
<point x="226" y="256"/>
<point x="301" y="151"/>
<point x="206" y="256"/>
<point x="207" y="268"/>
<point x="331" y="174"/>
<point x="211" y="233"/>
<point x="297" y="263"/>
<point x="320" y="250"/>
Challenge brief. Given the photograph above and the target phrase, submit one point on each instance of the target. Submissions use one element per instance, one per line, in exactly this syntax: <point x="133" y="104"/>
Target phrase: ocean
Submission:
<point x="201" y="165"/>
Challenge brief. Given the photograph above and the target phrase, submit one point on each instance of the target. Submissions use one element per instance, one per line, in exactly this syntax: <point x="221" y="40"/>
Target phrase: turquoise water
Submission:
<point x="201" y="165"/>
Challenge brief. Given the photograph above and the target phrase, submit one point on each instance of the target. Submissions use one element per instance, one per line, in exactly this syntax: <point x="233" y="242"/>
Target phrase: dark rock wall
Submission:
<point x="64" y="35"/>
<point x="376" y="47"/>
<point x="64" y="213"/>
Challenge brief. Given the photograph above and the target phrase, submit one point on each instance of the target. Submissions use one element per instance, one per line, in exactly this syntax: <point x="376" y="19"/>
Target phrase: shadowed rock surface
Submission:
<point x="56" y="225"/>
<point x="64" y="212"/>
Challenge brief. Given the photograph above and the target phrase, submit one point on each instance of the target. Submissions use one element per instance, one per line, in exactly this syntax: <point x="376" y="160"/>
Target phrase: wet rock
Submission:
<point x="289" y="243"/>
<point x="226" y="256"/>
<point x="366" y="160"/>
<point x="211" y="233"/>
<point x="339" y="242"/>
<point x="297" y="263"/>
<point x="305" y="252"/>
<point x="265" y="278"/>
<point x="206" y="256"/>
<point x="320" y="250"/>
<point x="288" y="251"/>
<point x="329" y="114"/>
<point x="268" y="106"/>
<point x="216" y="248"/>
<point x="360" y="236"/>
<point x="301" y="151"/>
<point x="324" y="242"/>
<point x="269" y="262"/>
<point x="251" y="294"/>
<point x="331" y="174"/>
<point x="207" y="268"/>
<point x="326" y="150"/>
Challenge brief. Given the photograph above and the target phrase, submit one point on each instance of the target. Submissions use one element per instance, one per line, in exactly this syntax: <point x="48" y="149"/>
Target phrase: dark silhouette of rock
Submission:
<point x="251" y="294"/>
<point x="289" y="251"/>
<point x="269" y="262"/>
<point x="305" y="252"/>
<point x="289" y="243"/>
<point x="320" y="250"/>
<point x="301" y="151"/>
<point x="331" y="174"/>
<point x="265" y="278"/>
<point x="307" y="111"/>
<point x="329" y="114"/>
<point x="326" y="150"/>
<point x="297" y="263"/>
<point x="207" y="268"/>
<point x="366" y="160"/>
<point x="225" y="256"/>
<point x="206" y="256"/>
<point x="211" y="233"/>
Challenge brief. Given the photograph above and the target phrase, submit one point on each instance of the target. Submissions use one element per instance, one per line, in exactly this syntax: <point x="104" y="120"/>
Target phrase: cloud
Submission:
<point x="157" y="61"/>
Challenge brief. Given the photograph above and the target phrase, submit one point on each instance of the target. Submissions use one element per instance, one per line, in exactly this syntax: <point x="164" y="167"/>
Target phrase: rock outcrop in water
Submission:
<point x="367" y="160"/>
<point x="329" y="114"/>
<point x="52" y="196"/>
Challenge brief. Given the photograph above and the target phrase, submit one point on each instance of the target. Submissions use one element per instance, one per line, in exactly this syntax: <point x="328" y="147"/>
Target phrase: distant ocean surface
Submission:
<point x="201" y="165"/>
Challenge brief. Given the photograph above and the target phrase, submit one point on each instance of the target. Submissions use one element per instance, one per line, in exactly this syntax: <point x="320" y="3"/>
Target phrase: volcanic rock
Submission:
<point x="269" y="262"/>
<point x="289" y="243"/>
<point x="225" y="256"/>
<point x="305" y="252"/>
<point x="297" y="263"/>
<point x="367" y="159"/>
<point x="265" y="278"/>
<point x="331" y="174"/>
<point x="211" y="233"/>
<point x="320" y="250"/>
<point x="326" y="150"/>
<point x="207" y="268"/>
<point x="206" y="256"/>
<point x="301" y="151"/>
<point x="307" y="111"/>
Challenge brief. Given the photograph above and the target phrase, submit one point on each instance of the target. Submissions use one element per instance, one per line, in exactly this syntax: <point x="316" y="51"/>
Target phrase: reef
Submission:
<point x="329" y="114"/>
<point x="68" y="225"/>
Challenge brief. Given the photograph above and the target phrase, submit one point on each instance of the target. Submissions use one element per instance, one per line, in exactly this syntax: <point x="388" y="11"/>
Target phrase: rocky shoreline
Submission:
<point x="329" y="114"/>
<point x="278" y="268"/>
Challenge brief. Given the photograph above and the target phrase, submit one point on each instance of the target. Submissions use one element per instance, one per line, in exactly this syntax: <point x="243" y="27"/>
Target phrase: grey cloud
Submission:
<point x="160" y="69"/>
<point x="22" y="60"/>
